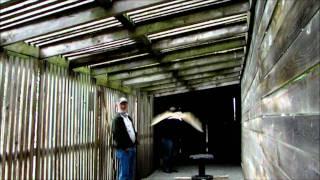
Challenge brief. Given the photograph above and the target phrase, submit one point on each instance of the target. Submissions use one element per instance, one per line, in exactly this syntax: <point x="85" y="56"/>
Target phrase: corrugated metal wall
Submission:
<point x="18" y="104"/>
<point x="56" y="124"/>
<point x="67" y="116"/>
<point x="145" y="153"/>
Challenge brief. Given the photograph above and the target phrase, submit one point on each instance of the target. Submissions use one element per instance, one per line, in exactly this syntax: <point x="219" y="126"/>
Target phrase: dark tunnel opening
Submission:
<point x="220" y="110"/>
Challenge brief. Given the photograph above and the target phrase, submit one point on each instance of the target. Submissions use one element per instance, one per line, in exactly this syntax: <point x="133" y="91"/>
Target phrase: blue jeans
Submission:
<point x="167" y="153"/>
<point x="126" y="163"/>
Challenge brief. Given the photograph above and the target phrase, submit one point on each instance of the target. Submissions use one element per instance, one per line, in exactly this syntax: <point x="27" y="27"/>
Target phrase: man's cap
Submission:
<point x="123" y="100"/>
<point x="172" y="109"/>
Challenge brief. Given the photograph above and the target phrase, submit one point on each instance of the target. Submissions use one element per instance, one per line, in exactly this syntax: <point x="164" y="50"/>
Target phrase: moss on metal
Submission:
<point x="99" y="12"/>
<point x="21" y="56"/>
<point x="24" y="49"/>
<point x="102" y="80"/>
<point x="83" y="70"/>
<point x="58" y="60"/>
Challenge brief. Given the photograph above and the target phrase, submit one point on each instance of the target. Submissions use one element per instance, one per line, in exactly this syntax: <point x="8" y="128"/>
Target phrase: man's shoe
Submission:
<point x="166" y="171"/>
<point x="174" y="170"/>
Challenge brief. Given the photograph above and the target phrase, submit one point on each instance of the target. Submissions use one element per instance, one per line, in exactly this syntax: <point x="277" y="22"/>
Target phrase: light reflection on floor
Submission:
<point x="220" y="171"/>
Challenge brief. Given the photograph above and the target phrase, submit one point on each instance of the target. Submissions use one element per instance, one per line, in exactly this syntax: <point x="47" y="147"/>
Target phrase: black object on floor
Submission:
<point x="202" y="159"/>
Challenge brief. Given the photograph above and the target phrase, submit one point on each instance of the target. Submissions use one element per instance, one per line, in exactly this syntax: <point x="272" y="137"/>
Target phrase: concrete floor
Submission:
<point x="220" y="172"/>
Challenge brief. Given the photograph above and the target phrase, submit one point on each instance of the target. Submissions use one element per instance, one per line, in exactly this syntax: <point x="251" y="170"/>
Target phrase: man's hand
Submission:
<point x="127" y="149"/>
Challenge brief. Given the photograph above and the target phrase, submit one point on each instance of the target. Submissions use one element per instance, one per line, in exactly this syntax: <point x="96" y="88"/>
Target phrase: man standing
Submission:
<point x="169" y="132"/>
<point x="125" y="140"/>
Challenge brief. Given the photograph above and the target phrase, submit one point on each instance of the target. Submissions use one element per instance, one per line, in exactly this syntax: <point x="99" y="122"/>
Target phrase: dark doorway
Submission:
<point x="220" y="110"/>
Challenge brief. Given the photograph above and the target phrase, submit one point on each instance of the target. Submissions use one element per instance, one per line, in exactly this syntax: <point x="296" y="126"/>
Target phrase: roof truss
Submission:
<point x="159" y="46"/>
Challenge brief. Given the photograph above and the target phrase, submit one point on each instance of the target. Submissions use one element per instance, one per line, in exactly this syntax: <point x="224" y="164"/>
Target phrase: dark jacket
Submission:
<point x="170" y="129"/>
<point x="121" y="138"/>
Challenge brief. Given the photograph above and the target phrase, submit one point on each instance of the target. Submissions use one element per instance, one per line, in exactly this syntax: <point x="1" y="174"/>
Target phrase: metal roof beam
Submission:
<point x="217" y="62"/>
<point x="195" y="86"/>
<point x="192" y="82"/>
<point x="195" y="89"/>
<point x="230" y="66"/>
<point x="69" y="19"/>
<point x="147" y="79"/>
<point x="228" y="47"/>
<point x="213" y="67"/>
<point x="201" y="37"/>
<point x="213" y="47"/>
<point x="214" y="74"/>
<point x="73" y="45"/>
<point x="169" y="87"/>
<point x="174" y="65"/>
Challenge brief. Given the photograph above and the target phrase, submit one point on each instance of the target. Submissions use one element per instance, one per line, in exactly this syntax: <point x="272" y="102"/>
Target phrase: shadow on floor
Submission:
<point x="230" y="172"/>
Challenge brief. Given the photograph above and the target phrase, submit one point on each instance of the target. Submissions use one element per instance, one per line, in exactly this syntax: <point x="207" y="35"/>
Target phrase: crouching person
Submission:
<point x="125" y="140"/>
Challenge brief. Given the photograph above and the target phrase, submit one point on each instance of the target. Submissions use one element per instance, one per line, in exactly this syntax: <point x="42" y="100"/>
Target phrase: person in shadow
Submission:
<point x="169" y="134"/>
